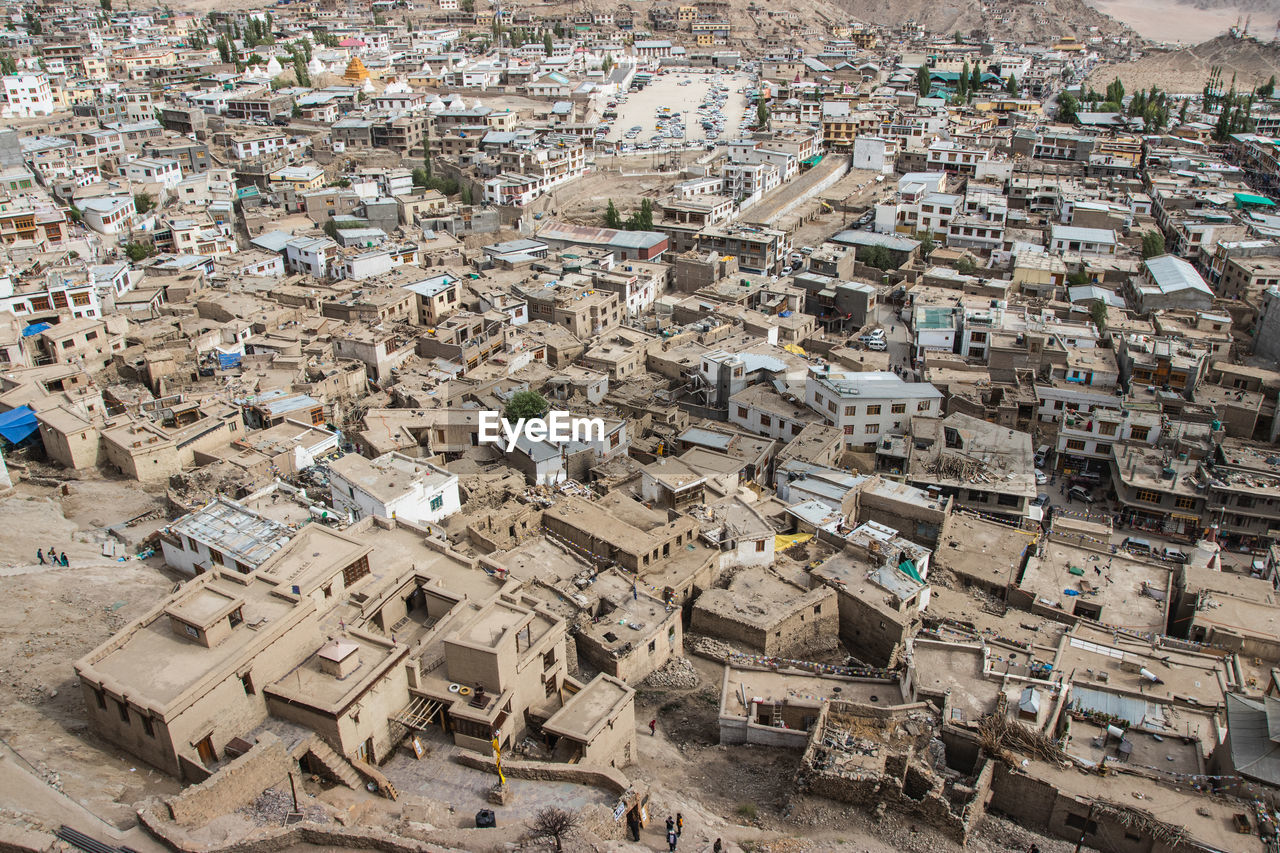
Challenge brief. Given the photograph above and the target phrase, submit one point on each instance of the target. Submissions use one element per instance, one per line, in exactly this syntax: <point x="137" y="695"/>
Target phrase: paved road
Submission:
<point x="798" y="188"/>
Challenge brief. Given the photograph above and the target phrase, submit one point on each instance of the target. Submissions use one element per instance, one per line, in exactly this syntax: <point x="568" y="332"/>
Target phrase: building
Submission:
<point x="392" y="486"/>
<point x="866" y="406"/>
<point x="221" y="535"/>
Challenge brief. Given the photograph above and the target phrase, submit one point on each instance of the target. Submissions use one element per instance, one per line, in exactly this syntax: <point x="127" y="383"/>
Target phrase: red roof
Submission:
<point x="350" y="42"/>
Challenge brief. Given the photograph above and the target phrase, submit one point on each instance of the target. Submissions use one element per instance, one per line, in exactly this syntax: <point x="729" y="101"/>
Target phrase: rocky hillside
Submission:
<point x="1185" y="70"/>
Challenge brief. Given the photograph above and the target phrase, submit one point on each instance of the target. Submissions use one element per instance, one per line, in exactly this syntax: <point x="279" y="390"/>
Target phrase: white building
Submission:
<point x="153" y="170"/>
<point x="310" y="255"/>
<point x="27" y="95"/>
<point x="393" y="486"/>
<point x="1082" y="241"/>
<point x="868" y="405"/>
<point x="224" y="534"/>
<point x="108" y="214"/>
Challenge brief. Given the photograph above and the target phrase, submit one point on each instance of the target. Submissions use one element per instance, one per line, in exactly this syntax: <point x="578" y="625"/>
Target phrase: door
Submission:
<point x="206" y="752"/>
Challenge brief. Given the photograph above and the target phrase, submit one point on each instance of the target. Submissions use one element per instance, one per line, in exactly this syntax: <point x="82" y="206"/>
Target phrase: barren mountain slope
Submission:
<point x="1185" y="71"/>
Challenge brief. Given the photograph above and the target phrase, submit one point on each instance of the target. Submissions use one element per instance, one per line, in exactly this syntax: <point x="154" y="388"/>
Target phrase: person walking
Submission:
<point x="40" y="555"/>
<point x="633" y="824"/>
<point x="671" y="824"/>
<point x="653" y="727"/>
<point x="718" y="847"/>
<point x="64" y="559"/>
<point x="672" y="841"/>
<point x="679" y="824"/>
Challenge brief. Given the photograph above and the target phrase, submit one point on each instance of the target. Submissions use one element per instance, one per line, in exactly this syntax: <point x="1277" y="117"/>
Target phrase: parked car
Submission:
<point x="1136" y="545"/>
<point x="1174" y="555"/>
<point x="1086" y="480"/>
<point x="1041" y="477"/>
<point x="1040" y="500"/>
<point x="1079" y="493"/>
<point x="877" y="346"/>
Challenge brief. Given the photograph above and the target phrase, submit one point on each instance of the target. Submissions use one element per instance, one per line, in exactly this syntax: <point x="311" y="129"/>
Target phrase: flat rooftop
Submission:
<point x="1132" y="594"/>
<point x="590" y="709"/>
<point x="798" y="686"/>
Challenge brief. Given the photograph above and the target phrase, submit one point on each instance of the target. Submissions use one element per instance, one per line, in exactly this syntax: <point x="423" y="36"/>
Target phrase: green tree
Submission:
<point x="138" y="251"/>
<point x="923" y="84"/>
<point x="1098" y="313"/>
<point x="878" y="257"/>
<point x="8" y="65"/>
<point x="962" y="82"/>
<point x="547" y="44"/>
<point x="144" y="202"/>
<point x="296" y="112"/>
<point x="642" y="219"/>
<point x="966" y="266"/>
<point x="525" y="404"/>
<point x="1115" y="91"/>
<point x="1267" y="89"/>
<point x="607" y="65"/>
<point x="1078" y="278"/>
<point x="464" y="193"/>
<point x="926" y="243"/>
<point x="75" y="214"/>
<point x="421" y="177"/>
<point x="426" y="153"/>
<point x="1068" y="106"/>
<point x="105" y="4"/>
<point x="1011" y="85"/>
<point x="330" y="229"/>
<point x="1182" y="113"/>
<point x="975" y="80"/>
<point x="612" y="219"/>
<point x="1152" y="244"/>
<point x="762" y="115"/>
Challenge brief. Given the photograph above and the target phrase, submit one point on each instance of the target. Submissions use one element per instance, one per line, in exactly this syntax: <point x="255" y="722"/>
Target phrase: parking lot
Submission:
<point x="671" y="90"/>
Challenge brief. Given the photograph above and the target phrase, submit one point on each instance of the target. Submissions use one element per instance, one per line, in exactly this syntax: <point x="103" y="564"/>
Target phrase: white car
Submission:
<point x="1041" y="477"/>
<point x="876" y="346"/>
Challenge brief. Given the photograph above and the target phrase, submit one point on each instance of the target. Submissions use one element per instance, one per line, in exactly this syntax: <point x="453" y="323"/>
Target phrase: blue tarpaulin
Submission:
<point x="35" y="329"/>
<point x="18" y="424"/>
<point x="228" y="360"/>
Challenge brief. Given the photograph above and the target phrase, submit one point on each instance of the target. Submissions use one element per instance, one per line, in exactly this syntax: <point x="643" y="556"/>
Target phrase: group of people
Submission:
<point x="55" y="558"/>
<point x="675" y="828"/>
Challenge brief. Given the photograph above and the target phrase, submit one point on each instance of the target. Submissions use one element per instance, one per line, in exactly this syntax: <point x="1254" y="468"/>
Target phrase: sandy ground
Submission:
<point x="1168" y="20"/>
<point x="584" y="200"/>
<point x="53" y="617"/>
<point x="666" y="91"/>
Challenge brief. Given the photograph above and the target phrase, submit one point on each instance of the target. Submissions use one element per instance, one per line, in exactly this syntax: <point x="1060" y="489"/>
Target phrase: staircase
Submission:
<point x="376" y="776"/>
<point x="337" y="766"/>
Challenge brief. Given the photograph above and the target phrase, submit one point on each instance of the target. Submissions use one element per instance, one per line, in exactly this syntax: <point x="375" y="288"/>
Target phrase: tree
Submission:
<point x="1115" y="91"/>
<point x="879" y="257"/>
<point x="8" y="65"/>
<point x="75" y="214"/>
<point x="1152" y="244"/>
<point x="1182" y="113"/>
<point x="926" y="243"/>
<point x="642" y="219"/>
<point x="331" y="229"/>
<point x="1098" y="313"/>
<point x="607" y="65"/>
<point x="1078" y="278"/>
<point x="525" y="404"/>
<point x="554" y="824"/>
<point x="547" y="44"/>
<point x="464" y="193"/>
<point x="296" y="112"/>
<point x="612" y="219"/>
<point x="421" y="177"/>
<point x="762" y="115"/>
<point x="138" y="251"/>
<point x="923" y="84"/>
<point x="1011" y="85"/>
<point x="975" y="80"/>
<point x="144" y="202"/>
<point x="105" y="4"/>
<point x="962" y="82"/>
<point x="1067" y="108"/>
<point x="426" y="154"/>
<point x="1267" y="89"/>
<point x="966" y="266"/>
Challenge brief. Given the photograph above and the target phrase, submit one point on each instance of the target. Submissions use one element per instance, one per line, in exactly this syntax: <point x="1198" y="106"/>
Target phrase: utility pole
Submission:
<point x="1084" y="830"/>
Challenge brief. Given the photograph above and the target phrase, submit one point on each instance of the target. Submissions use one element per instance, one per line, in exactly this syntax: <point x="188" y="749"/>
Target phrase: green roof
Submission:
<point x="1249" y="198"/>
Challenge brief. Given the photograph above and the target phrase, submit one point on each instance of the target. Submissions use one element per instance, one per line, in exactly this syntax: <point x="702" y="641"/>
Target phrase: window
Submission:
<point x="246" y="681"/>
<point x="831" y="405"/>
<point x="1139" y="433"/>
<point x="1184" y="503"/>
<point x="872" y="429"/>
<point x="1075" y="444"/>
<point x="759" y="546"/>
<point x="235" y="617"/>
<point x="124" y="712"/>
<point x="1107" y="428"/>
<point x="923" y="406"/>
<point x="873" y="410"/>
<point x="898" y="408"/>
<point x="765" y="421"/>
<point x="1148" y="496"/>
<point x="742" y="411"/>
<point x="101" y="697"/>
<point x="977" y="497"/>
<point x="1244" y="500"/>
<point x="437" y="502"/>
<point x="355" y="571"/>
<point x="215" y="556"/>
<point x="850" y="411"/>
<point x="848" y="430"/>
<point x="1076" y="821"/>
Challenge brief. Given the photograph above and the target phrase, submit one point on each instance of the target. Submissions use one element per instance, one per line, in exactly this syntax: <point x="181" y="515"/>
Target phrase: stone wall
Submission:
<point x="235" y="785"/>
<point x="606" y="778"/>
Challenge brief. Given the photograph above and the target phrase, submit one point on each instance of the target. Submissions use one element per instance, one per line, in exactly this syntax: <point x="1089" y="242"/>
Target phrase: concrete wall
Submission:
<point x="233" y="786"/>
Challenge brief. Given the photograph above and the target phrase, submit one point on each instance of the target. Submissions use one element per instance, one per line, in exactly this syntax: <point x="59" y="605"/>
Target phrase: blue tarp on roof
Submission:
<point x="35" y="329"/>
<point x="18" y="424"/>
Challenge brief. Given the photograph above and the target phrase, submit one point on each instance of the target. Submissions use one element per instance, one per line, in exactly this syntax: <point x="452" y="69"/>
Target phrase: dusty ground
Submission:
<point x="53" y="617"/>
<point x="1168" y="20"/>
<point x="584" y="201"/>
